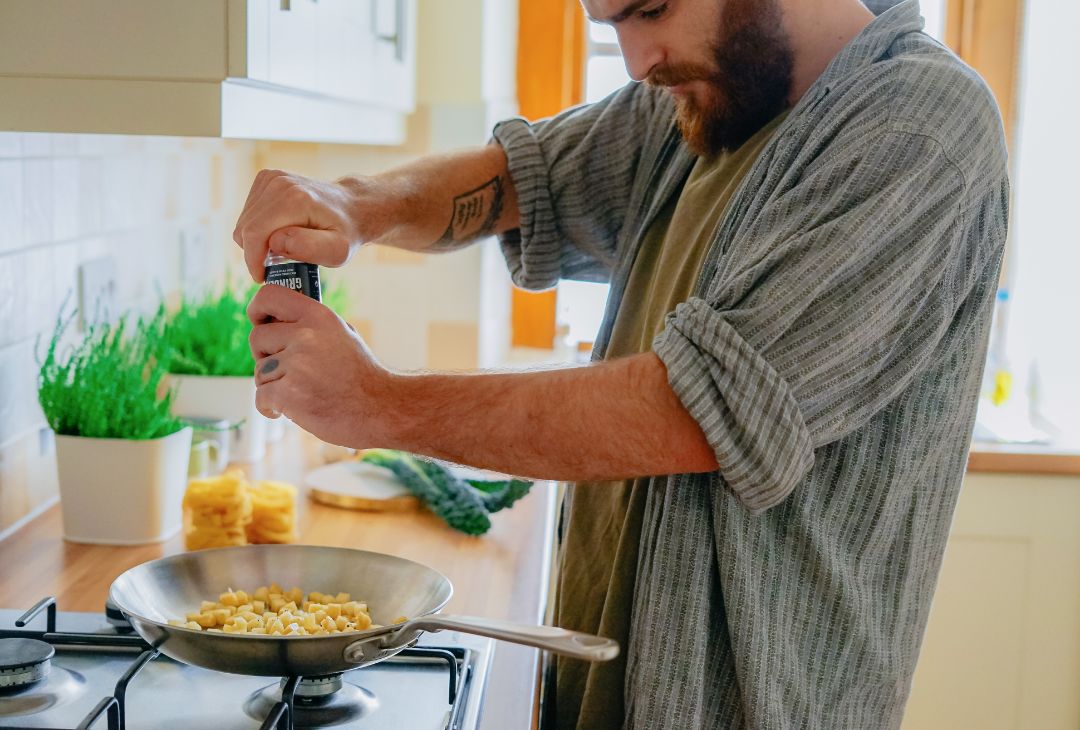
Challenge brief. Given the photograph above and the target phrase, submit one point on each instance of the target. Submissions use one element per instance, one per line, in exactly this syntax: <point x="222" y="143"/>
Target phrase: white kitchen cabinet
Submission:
<point x="1002" y="648"/>
<point x="320" y="70"/>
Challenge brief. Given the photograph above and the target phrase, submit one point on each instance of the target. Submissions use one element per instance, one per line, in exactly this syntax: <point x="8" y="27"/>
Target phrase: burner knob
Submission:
<point x="116" y="617"/>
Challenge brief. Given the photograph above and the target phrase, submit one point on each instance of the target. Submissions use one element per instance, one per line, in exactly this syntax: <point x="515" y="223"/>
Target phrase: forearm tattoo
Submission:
<point x="474" y="216"/>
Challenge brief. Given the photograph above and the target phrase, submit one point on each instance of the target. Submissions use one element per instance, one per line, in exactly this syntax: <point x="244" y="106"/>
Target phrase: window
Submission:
<point x="581" y="304"/>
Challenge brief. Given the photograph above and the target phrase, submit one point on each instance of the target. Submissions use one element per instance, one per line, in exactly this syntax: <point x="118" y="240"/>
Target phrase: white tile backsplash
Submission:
<point x="119" y="188"/>
<point x="11" y="302"/>
<point x="64" y="265"/>
<point x="10" y="144"/>
<point x="11" y="205"/>
<point x="66" y="199"/>
<point x="90" y="198"/>
<point x="37" y="200"/>
<point x="36" y="144"/>
<point x="19" y="409"/>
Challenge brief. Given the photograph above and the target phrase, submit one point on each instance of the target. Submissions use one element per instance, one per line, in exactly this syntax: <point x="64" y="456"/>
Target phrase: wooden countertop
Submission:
<point x="1023" y="459"/>
<point x="503" y="574"/>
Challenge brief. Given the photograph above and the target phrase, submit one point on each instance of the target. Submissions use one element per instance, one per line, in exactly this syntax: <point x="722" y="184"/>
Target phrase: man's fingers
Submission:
<point x="257" y="186"/>
<point x="280" y="204"/>
<point x="270" y="338"/>
<point x="255" y="259"/>
<point x="277" y="303"/>
<point x="268" y="398"/>
<point x="315" y="246"/>
<point x="268" y="369"/>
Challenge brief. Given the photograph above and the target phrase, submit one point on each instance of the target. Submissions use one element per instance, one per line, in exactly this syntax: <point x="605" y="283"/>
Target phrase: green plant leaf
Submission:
<point x="208" y="334"/>
<point x="111" y="383"/>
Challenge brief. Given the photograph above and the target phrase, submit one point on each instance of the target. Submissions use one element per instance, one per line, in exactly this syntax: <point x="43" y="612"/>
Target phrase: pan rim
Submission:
<point x="352" y="635"/>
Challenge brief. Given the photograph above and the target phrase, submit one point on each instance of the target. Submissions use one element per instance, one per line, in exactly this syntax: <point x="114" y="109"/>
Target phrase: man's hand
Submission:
<point x="437" y="203"/>
<point x="308" y="220"/>
<point x="311" y="367"/>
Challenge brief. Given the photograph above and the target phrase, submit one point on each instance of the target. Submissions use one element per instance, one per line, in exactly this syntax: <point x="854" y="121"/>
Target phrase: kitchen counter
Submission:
<point x="503" y="574"/>
<point x="1007" y="458"/>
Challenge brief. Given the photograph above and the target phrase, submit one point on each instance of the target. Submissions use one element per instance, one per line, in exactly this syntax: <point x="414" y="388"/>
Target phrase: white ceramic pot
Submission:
<point x="228" y="397"/>
<point x="121" y="491"/>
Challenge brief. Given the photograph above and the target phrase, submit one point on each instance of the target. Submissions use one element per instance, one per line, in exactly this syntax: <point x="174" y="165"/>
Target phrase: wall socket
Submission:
<point x="98" y="289"/>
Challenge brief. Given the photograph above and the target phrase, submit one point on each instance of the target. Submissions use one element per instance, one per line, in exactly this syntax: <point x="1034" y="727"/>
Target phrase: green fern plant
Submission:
<point x="109" y="385"/>
<point x="208" y="334"/>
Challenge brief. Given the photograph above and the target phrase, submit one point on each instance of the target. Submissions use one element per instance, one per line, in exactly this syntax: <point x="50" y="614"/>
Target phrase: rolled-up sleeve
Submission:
<point x="825" y="307"/>
<point x="574" y="174"/>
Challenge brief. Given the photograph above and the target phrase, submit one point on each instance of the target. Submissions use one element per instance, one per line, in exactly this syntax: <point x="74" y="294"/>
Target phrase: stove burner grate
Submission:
<point x="318" y="702"/>
<point x="314" y="702"/>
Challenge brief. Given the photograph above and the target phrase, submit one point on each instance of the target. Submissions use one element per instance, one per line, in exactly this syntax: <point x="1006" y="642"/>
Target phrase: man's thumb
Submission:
<point x="312" y="245"/>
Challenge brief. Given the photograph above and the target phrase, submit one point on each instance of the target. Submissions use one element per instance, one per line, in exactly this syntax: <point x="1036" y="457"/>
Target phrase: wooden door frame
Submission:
<point x="550" y="78"/>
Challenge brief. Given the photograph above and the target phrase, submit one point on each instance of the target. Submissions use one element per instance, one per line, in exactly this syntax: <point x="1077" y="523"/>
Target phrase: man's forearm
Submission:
<point x="444" y="202"/>
<point x="611" y="420"/>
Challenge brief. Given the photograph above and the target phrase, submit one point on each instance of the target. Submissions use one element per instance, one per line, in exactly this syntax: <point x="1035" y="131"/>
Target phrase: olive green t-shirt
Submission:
<point x="603" y="526"/>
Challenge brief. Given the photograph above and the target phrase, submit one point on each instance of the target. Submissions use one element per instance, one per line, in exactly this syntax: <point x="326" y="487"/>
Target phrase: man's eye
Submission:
<point x="654" y="13"/>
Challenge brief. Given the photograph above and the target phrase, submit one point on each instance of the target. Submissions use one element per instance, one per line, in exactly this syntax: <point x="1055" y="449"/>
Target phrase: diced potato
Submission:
<point x="279" y="613"/>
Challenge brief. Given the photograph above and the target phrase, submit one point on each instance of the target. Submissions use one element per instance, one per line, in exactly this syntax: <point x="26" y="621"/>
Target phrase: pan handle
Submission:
<point x="552" y="638"/>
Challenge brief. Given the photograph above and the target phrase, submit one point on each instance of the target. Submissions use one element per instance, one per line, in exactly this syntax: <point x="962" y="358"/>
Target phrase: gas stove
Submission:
<point x="64" y="670"/>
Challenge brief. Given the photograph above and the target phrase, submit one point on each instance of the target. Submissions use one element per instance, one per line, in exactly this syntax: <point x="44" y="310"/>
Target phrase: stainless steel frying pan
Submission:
<point x="154" y="592"/>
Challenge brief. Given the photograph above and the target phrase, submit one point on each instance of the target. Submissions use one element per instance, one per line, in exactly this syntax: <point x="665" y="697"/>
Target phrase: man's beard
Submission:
<point x="748" y="86"/>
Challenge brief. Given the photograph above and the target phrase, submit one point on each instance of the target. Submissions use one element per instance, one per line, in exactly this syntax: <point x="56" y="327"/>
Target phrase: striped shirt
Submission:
<point x="831" y="353"/>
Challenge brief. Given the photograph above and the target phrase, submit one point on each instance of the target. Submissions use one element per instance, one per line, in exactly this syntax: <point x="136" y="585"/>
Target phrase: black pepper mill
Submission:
<point x="297" y="275"/>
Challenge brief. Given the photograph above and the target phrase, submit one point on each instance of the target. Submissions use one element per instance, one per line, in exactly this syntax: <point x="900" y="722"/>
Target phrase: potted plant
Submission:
<point x="122" y="456"/>
<point x="211" y="366"/>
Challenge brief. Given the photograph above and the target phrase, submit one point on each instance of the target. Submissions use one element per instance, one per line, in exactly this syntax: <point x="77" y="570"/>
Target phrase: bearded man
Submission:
<point x="801" y="209"/>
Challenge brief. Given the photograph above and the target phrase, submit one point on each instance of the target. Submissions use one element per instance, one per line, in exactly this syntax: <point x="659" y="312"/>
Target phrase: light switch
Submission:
<point x="98" y="287"/>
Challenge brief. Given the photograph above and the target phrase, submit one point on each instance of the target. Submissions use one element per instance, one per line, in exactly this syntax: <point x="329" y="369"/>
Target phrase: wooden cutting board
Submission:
<point x="361" y="486"/>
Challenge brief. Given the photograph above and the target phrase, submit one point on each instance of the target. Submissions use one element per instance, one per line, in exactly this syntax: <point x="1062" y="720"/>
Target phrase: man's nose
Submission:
<point x="641" y="53"/>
